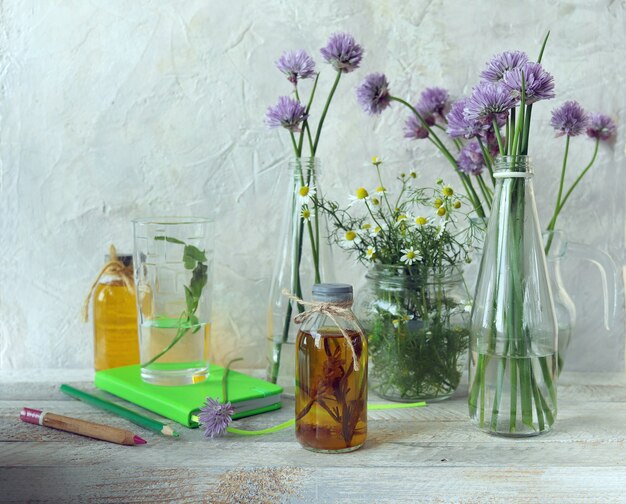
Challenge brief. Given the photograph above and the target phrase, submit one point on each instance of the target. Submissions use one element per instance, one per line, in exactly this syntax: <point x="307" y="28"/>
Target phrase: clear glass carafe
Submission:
<point x="513" y="327"/>
<point x="559" y="250"/>
<point x="303" y="258"/>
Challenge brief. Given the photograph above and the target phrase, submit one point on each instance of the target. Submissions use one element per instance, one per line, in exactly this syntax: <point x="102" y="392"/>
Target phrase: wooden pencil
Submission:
<point x="82" y="427"/>
<point x="118" y="410"/>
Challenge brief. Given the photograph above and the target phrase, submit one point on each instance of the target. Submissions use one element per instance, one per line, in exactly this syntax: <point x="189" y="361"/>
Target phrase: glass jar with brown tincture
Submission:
<point x="331" y="373"/>
<point x="114" y="313"/>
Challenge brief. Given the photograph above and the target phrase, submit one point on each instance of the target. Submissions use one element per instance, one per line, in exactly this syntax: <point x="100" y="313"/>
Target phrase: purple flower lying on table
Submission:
<point x="215" y="417"/>
<point x="296" y="65"/>
<point x="569" y="119"/>
<point x="342" y="52"/>
<point x="288" y="113"/>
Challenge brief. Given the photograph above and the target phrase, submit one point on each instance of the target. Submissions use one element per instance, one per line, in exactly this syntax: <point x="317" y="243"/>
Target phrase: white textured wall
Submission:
<point x="114" y="109"/>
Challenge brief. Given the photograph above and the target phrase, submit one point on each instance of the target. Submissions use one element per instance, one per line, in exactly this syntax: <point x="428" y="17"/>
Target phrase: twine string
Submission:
<point x="113" y="267"/>
<point x="332" y="310"/>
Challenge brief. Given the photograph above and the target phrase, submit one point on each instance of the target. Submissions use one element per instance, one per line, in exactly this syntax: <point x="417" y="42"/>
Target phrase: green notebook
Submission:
<point x="248" y="395"/>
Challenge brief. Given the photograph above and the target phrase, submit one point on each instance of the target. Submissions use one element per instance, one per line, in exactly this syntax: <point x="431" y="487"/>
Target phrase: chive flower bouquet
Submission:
<point x="304" y="254"/>
<point x="472" y="130"/>
<point x="485" y="138"/>
<point x="414" y="242"/>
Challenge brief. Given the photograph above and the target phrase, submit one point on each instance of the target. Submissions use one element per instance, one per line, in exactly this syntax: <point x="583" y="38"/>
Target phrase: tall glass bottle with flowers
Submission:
<point x="304" y="254"/>
<point x="415" y="304"/>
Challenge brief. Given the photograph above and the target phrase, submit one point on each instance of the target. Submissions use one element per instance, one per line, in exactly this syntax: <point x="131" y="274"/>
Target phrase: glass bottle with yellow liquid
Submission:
<point x="115" y="314"/>
<point x="331" y="373"/>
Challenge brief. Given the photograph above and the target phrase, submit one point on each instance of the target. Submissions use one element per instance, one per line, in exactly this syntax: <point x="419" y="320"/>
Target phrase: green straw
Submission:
<point x="136" y="418"/>
<point x="289" y="423"/>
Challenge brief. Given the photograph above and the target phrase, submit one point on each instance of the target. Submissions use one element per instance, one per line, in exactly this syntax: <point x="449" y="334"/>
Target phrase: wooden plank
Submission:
<point x="293" y="484"/>
<point x="430" y="454"/>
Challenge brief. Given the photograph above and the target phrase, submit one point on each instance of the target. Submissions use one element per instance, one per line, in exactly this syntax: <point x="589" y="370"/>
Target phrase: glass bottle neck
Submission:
<point x="513" y="166"/>
<point x="305" y="168"/>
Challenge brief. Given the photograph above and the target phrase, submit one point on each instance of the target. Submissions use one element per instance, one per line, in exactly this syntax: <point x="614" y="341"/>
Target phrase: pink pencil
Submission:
<point x="82" y="427"/>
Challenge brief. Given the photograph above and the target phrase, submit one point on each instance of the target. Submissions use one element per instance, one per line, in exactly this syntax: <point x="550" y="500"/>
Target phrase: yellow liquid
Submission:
<point x="115" y="326"/>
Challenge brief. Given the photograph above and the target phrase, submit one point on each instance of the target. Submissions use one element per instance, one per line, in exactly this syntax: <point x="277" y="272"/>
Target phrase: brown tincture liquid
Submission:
<point x="331" y="397"/>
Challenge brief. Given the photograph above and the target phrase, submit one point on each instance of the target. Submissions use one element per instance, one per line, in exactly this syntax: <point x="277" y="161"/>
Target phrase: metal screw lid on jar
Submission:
<point x="125" y="259"/>
<point x="332" y="292"/>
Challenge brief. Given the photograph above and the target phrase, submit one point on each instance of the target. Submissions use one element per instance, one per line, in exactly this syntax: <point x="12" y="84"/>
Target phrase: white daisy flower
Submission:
<point x="410" y="256"/>
<point x="381" y="191"/>
<point x="375" y="231"/>
<point x="370" y="253"/>
<point x="306" y="214"/>
<point x="350" y="239"/>
<point x="359" y="197"/>
<point x="420" y="221"/>
<point x="403" y="319"/>
<point x="305" y="193"/>
<point x="441" y="227"/>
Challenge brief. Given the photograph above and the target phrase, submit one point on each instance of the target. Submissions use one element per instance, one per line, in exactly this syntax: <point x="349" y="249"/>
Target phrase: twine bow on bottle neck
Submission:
<point x="331" y="310"/>
<point x="113" y="267"/>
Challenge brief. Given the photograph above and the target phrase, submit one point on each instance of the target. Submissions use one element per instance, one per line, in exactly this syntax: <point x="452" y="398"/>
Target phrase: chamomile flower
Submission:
<point x="360" y="196"/>
<point x="375" y="231"/>
<point x="374" y="201"/>
<point x="305" y="193"/>
<point x="447" y="191"/>
<point x="413" y="174"/>
<point x="306" y="214"/>
<point x="421" y="221"/>
<point x="370" y="253"/>
<point x="403" y="319"/>
<point x="380" y="190"/>
<point x="441" y="211"/>
<point x="350" y="239"/>
<point x="376" y="161"/>
<point x="441" y="227"/>
<point x="410" y="256"/>
<point x="400" y="219"/>
<point x="438" y="202"/>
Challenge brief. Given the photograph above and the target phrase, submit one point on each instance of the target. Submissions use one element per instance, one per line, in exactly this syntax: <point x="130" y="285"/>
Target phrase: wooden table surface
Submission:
<point x="430" y="454"/>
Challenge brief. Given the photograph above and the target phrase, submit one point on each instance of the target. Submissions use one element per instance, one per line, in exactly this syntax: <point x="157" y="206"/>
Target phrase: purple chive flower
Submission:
<point x="539" y="84"/>
<point x="373" y="93"/>
<point x="342" y="52"/>
<point x="296" y="65"/>
<point x="489" y="101"/>
<point x="459" y="125"/>
<point x="501" y="63"/>
<point x="413" y="127"/>
<point x="470" y="159"/>
<point x="215" y="417"/>
<point x="601" y="127"/>
<point x="433" y="101"/>
<point x="569" y="119"/>
<point x="288" y="113"/>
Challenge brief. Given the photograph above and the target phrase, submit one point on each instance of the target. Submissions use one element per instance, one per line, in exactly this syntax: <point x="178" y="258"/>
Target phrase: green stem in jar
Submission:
<point x="195" y="260"/>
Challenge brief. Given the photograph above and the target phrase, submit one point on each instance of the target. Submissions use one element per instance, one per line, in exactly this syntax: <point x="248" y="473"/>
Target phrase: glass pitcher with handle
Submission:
<point x="560" y="249"/>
